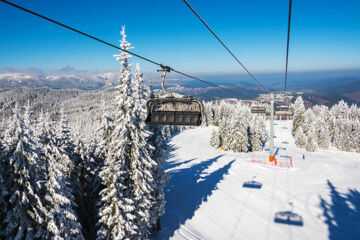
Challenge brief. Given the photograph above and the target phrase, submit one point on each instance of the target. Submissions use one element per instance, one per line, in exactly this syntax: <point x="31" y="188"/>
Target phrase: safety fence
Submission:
<point x="275" y="163"/>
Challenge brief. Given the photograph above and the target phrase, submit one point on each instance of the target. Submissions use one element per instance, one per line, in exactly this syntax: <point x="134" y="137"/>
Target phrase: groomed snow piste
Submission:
<point x="206" y="198"/>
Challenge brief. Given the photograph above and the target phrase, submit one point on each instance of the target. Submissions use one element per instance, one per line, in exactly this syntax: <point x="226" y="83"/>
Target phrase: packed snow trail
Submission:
<point x="206" y="200"/>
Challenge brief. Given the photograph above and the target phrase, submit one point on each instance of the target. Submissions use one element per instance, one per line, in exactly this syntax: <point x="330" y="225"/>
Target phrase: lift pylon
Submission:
<point x="271" y="147"/>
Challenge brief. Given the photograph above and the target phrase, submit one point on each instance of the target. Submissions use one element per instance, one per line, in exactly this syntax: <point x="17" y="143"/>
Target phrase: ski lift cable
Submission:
<point x="223" y="44"/>
<point x="112" y="45"/>
<point x="287" y="47"/>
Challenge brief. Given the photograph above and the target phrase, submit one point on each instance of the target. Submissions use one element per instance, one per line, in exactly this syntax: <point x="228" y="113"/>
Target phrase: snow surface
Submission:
<point x="206" y="200"/>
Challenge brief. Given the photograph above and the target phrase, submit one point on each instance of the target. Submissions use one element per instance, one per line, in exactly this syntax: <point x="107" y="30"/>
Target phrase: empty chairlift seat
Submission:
<point x="174" y="111"/>
<point x="258" y="109"/>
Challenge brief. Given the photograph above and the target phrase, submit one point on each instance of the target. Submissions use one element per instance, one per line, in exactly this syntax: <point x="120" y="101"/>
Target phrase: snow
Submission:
<point x="206" y="200"/>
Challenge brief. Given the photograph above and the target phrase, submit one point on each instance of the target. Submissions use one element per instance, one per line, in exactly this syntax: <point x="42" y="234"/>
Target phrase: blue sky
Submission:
<point x="325" y="34"/>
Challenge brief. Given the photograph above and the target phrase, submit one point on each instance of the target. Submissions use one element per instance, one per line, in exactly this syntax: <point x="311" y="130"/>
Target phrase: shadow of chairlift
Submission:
<point x="252" y="184"/>
<point x="289" y="217"/>
<point x="285" y="142"/>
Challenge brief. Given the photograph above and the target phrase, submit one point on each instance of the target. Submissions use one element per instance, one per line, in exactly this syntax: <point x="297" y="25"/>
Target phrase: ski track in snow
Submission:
<point x="206" y="200"/>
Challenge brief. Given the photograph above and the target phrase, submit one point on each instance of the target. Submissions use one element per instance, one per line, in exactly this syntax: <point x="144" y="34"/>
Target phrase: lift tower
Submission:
<point x="271" y="147"/>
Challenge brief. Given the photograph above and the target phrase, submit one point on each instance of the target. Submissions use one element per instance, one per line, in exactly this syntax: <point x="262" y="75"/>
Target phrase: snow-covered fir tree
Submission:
<point x="26" y="216"/>
<point x="322" y="134"/>
<point x="298" y="118"/>
<point x="215" y="140"/>
<point x="64" y="142"/>
<point x="160" y="178"/>
<point x="300" y="138"/>
<point x="238" y="130"/>
<point x="59" y="200"/>
<point x="324" y="128"/>
<point x="128" y="173"/>
<point x="255" y="135"/>
<point x="236" y="136"/>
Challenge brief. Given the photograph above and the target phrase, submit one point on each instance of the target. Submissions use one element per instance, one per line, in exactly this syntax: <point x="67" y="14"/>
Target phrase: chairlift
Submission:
<point x="170" y="108"/>
<point x="258" y="109"/>
<point x="288" y="217"/>
<point x="283" y="106"/>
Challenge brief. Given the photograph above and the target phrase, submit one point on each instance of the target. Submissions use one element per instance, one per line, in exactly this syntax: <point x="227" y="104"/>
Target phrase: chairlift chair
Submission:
<point x="170" y="108"/>
<point x="258" y="109"/>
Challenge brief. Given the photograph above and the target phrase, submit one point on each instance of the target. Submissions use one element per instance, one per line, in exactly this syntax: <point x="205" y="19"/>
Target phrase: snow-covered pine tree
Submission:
<point x="160" y="149"/>
<point x="255" y="135"/>
<point x="236" y="137"/>
<point x="356" y="135"/>
<point x="3" y="198"/>
<point x="143" y="167"/>
<point x="215" y="140"/>
<point x="217" y="114"/>
<point x="354" y="112"/>
<point x="299" y="117"/>
<point x="210" y="112"/>
<point x="205" y="120"/>
<point x="300" y="138"/>
<point x="310" y="143"/>
<point x="65" y="143"/>
<point x="156" y="153"/>
<point x="322" y="134"/>
<point x="338" y="132"/>
<point x="264" y="135"/>
<point x="238" y="129"/>
<point x="222" y="132"/>
<point x="346" y="143"/>
<point x="309" y="130"/>
<point x="26" y="217"/>
<point x="127" y="174"/>
<point x="141" y="92"/>
<point x="3" y="190"/>
<point x="117" y="217"/>
<point x="62" y="220"/>
<point x="340" y="110"/>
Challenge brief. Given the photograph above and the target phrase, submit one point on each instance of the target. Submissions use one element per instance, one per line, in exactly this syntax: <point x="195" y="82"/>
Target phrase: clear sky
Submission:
<point x="325" y="34"/>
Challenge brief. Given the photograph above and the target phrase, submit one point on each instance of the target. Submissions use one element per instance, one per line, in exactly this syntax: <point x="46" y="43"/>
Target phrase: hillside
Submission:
<point x="206" y="200"/>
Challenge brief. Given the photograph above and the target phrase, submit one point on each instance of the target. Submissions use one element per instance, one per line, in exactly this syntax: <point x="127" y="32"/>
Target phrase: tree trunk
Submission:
<point x="158" y="227"/>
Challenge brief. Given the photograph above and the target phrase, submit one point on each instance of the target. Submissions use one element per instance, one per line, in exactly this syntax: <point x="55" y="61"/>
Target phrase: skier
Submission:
<point x="303" y="156"/>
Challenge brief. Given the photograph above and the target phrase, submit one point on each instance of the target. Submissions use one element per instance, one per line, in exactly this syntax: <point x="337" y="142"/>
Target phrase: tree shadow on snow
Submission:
<point x="173" y="164"/>
<point x="185" y="191"/>
<point x="170" y="148"/>
<point x="342" y="214"/>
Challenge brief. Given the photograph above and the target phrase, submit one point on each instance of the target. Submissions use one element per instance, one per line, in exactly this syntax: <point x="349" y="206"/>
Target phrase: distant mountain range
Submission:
<point x="326" y="87"/>
<point x="81" y="82"/>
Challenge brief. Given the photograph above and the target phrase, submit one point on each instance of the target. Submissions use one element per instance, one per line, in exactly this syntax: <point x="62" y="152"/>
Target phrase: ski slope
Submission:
<point x="206" y="200"/>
